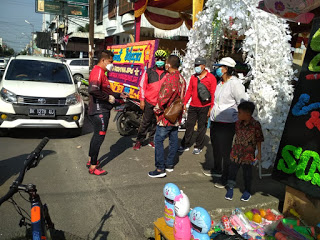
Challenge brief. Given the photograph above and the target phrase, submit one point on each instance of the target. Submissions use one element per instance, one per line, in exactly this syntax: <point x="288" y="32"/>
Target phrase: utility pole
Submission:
<point x="91" y="33"/>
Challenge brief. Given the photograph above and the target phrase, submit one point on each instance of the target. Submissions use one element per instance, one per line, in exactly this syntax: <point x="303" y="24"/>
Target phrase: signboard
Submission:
<point x="74" y="8"/>
<point x="130" y="62"/>
<point x="298" y="162"/>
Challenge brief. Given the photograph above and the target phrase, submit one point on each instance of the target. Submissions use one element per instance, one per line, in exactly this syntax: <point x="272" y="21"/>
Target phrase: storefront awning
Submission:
<point x="293" y="10"/>
<point x="166" y="14"/>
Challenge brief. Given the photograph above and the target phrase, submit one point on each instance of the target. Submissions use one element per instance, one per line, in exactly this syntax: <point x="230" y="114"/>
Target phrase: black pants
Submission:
<point x="221" y="135"/>
<point x="100" y="125"/>
<point x="148" y="124"/>
<point x="195" y="114"/>
<point x="247" y="175"/>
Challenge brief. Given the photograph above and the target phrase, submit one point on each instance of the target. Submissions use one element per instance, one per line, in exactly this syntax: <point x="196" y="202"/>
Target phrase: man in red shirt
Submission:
<point x="101" y="101"/>
<point x="198" y="110"/>
<point x="150" y="84"/>
<point x="172" y="88"/>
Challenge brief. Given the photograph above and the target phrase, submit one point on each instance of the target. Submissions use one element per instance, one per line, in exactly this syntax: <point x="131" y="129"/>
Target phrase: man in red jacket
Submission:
<point x="101" y="102"/>
<point x="172" y="88"/>
<point x="198" y="110"/>
<point x="150" y="85"/>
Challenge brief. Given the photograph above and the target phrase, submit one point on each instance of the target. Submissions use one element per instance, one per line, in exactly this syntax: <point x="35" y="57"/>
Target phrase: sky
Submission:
<point x="14" y="31"/>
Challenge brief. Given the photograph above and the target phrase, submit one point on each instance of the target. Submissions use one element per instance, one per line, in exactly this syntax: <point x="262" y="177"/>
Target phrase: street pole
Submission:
<point x="31" y="35"/>
<point x="91" y="33"/>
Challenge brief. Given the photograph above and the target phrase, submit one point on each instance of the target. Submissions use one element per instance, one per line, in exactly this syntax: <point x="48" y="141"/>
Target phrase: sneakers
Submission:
<point x="219" y="185"/>
<point x="151" y="144"/>
<point x="157" y="174"/>
<point x="137" y="146"/>
<point x="89" y="163"/>
<point x="183" y="149"/>
<point x="229" y="194"/>
<point x="169" y="168"/>
<point x="245" y="196"/>
<point x="97" y="171"/>
<point x="197" y="151"/>
<point x="211" y="173"/>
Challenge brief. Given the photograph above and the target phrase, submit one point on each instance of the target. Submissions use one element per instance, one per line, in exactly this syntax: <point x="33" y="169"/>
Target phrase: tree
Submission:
<point x="84" y="29"/>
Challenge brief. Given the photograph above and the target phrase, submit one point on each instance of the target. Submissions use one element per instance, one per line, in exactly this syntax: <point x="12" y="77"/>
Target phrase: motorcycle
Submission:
<point x="128" y="117"/>
<point x="83" y="90"/>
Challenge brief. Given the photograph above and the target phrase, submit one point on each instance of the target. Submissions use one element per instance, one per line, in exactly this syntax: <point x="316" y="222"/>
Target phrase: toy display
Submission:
<point x="254" y="224"/>
<point x="182" y="224"/>
<point x="170" y="191"/>
<point x="201" y="223"/>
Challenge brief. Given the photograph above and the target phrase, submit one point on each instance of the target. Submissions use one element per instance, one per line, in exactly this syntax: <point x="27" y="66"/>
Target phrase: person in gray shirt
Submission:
<point x="229" y="94"/>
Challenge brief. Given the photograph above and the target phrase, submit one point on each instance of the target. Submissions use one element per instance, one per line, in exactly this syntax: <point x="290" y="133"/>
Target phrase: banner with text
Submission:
<point x="298" y="162"/>
<point x="130" y="62"/>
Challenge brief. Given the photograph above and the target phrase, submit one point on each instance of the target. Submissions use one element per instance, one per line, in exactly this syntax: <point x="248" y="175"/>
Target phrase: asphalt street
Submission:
<point x="120" y="205"/>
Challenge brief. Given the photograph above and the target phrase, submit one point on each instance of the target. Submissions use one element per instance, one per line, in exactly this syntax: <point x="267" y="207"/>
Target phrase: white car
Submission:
<point x="3" y="64"/>
<point x="39" y="92"/>
<point x="79" y="67"/>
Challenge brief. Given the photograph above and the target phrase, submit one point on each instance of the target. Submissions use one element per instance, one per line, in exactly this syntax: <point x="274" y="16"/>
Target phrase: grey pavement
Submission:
<point x="122" y="204"/>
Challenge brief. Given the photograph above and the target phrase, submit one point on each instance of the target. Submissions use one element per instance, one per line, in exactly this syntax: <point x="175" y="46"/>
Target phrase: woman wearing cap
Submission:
<point x="228" y="95"/>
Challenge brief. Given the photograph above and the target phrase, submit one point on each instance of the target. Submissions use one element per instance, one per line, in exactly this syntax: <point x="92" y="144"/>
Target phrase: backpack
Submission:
<point x="203" y="93"/>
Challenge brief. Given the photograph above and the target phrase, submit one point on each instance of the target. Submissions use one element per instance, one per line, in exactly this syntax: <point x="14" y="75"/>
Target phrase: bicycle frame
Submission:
<point x="40" y="219"/>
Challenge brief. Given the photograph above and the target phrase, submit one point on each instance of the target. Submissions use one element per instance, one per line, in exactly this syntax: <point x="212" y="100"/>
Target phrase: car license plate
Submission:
<point x="41" y="112"/>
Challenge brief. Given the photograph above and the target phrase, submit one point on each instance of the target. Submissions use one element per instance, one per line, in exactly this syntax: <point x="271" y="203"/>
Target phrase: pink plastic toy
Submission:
<point x="182" y="224"/>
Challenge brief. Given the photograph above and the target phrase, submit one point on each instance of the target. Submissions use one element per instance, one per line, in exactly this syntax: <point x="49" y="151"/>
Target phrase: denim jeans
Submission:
<point x="161" y="135"/>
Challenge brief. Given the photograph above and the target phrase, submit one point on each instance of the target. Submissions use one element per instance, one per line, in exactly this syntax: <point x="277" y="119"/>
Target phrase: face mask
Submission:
<point x="109" y="67"/>
<point x="159" y="64"/>
<point x="219" y="72"/>
<point x="198" y="70"/>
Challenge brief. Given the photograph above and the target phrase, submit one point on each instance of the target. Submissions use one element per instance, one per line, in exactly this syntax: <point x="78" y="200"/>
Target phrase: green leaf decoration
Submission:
<point x="315" y="41"/>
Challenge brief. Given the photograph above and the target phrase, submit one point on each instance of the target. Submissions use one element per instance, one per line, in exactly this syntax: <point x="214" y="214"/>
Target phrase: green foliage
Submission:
<point x="84" y="29"/>
<point x="6" y="52"/>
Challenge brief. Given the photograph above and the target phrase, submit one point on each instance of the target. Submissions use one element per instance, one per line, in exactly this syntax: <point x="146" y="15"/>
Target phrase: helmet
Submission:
<point x="160" y="54"/>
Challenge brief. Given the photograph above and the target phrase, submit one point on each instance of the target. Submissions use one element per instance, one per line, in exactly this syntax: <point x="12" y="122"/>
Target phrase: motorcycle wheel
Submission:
<point x="122" y="126"/>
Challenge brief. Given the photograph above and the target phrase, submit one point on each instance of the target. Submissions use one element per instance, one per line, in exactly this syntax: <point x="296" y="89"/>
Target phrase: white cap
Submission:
<point x="227" y="61"/>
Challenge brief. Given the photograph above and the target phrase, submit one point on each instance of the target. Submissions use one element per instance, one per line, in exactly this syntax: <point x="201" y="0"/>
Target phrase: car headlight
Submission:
<point x="8" y="96"/>
<point x="73" y="99"/>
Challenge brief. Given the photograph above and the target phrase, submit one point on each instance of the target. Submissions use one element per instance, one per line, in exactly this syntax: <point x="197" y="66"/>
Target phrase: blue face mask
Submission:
<point x="198" y="70"/>
<point x="219" y="72"/>
<point x="159" y="64"/>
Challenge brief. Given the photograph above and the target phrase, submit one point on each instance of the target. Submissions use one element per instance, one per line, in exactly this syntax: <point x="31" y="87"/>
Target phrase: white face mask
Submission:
<point x="109" y="67"/>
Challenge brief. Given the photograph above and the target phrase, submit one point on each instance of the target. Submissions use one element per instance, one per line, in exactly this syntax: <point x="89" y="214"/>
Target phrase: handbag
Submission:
<point x="175" y="110"/>
<point x="203" y="93"/>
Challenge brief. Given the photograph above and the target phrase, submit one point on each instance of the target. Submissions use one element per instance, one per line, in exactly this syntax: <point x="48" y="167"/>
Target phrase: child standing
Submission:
<point x="248" y="136"/>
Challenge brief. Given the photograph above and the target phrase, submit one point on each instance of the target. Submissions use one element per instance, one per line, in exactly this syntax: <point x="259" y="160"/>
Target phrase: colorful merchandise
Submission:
<point x="170" y="191"/>
<point x="182" y="224"/>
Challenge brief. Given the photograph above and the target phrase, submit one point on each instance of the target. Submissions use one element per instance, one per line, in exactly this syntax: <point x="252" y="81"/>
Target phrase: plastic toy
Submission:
<point x="257" y="218"/>
<point x="249" y="215"/>
<point x="254" y="211"/>
<point x="291" y="222"/>
<point x="270" y="216"/>
<point x="201" y="223"/>
<point x="182" y="224"/>
<point x="170" y="191"/>
<point x="262" y="212"/>
<point x="238" y="224"/>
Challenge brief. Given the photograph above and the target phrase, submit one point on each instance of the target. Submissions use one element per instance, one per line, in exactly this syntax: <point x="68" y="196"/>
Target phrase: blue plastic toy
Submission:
<point x="201" y="223"/>
<point x="170" y="191"/>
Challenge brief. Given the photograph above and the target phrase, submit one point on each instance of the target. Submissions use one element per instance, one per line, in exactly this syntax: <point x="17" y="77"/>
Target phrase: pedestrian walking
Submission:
<point x="101" y="101"/>
<point x="171" y="90"/>
<point x="228" y="95"/>
<point x="248" y="138"/>
<point x="150" y="84"/>
<point x="199" y="109"/>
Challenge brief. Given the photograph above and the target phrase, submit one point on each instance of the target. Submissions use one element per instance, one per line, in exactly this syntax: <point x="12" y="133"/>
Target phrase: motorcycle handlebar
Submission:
<point x="28" y="163"/>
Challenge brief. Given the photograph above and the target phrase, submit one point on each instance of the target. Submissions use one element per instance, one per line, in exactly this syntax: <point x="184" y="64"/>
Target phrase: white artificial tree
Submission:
<point x="268" y="53"/>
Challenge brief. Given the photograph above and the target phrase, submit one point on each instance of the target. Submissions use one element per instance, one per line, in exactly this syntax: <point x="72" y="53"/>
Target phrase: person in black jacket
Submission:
<point x="101" y="101"/>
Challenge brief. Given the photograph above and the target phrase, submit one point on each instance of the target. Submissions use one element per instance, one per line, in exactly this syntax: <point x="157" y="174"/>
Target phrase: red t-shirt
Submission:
<point x="209" y="81"/>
